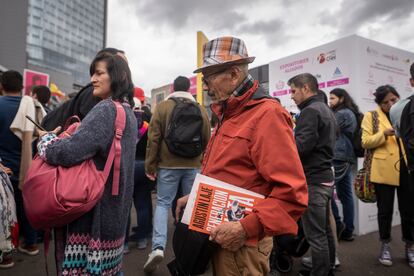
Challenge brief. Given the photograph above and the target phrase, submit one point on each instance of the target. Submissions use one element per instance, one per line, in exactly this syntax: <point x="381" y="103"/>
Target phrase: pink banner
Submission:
<point x="338" y="82"/>
<point x="193" y="85"/>
<point x="33" y="78"/>
<point x="280" y="93"/>
<point x="322" y="85"/>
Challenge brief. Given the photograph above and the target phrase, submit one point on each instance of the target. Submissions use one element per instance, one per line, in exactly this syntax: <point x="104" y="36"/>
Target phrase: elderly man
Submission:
<point x="252" y="147"/>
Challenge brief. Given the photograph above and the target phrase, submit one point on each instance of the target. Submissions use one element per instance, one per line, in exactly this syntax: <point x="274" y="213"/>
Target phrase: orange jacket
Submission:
<point x="253" y="147"/>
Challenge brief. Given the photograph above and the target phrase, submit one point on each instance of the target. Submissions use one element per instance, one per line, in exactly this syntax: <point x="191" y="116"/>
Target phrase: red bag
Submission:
<point x="54" y="196"/>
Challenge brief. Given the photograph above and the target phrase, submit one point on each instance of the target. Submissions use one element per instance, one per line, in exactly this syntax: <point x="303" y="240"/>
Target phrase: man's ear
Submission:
<point x="306" y="88"/>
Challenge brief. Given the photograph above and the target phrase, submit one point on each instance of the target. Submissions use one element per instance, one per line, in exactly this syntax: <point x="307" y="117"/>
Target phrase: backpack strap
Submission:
<point x="114" y="155"/>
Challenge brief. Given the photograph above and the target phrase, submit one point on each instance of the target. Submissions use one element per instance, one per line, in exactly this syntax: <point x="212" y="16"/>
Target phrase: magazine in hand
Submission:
<point x="212" y="202"/>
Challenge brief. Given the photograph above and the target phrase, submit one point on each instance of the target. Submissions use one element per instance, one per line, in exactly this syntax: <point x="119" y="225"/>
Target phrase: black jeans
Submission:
<point x="385" y="203"/>
<point x="142" y="202"/>
<point x="343" y="185"/>
<point x="317" y="229"/>
<point x="29" y="234"/>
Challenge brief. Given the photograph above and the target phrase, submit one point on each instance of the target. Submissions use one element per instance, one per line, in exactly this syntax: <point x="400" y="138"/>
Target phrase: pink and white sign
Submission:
<point x="337" y="82"/>
<point x="358" y="65"/>
<point x="33" y="78"/>
<point x="193" y="86"/>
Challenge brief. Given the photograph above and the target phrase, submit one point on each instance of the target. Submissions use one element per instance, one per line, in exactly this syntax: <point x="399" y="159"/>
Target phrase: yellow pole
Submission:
<point x="201" y="40"/>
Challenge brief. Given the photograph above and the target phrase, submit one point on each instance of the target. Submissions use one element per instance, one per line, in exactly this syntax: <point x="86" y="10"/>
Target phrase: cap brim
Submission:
<point x="239" y="61"/>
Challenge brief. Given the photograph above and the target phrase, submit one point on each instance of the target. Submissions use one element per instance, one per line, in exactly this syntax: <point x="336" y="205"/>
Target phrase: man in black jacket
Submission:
<point x="315" y="140"/>
<point x="402" y="118"/>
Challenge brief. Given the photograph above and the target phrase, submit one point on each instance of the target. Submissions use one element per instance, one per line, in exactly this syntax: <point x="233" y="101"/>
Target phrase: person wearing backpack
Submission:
<point x="389" y="173"/>
<point x="177" y="136"/>
<point x="402" y="119"/>
<point x="93" y="243"/>
<point x="344" y="109"/>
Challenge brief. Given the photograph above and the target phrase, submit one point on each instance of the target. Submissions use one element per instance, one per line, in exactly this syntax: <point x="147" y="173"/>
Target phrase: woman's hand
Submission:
<point x="389" y="132"/>
<point x="55" y="131"/>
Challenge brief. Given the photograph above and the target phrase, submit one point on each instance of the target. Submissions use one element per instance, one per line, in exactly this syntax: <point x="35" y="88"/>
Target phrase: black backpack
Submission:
<point x="184" y="131"/>
<point x="357" y="138"/>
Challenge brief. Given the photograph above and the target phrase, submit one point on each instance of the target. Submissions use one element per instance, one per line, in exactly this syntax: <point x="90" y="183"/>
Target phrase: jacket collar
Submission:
<point x="308" y="101"/>
<point x="383" y="118"/>
<point x="181" y="94"/>
<point x="235" y="105"/>
<point x="246" y="84"/>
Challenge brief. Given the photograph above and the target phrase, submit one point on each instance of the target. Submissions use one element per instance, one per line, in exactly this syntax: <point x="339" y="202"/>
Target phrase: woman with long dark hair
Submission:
<point x="345" y="111"/>
<point x="93" y="244"/>
<point x="389" y="173"/>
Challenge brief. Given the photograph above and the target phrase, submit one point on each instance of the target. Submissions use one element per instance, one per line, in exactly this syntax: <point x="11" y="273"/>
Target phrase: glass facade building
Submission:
<point x="64" y="36"/>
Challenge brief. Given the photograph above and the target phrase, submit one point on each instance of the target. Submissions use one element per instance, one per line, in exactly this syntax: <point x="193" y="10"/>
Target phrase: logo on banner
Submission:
<point x="337" y="73"/>
<point x="390" y="57"/>
<point x="371" y="79"/>
<point x="371" y="51"/>
<point x="280" y="84"/>
<point x="370" y="75"/>
<point x="318" y="76"/>
<point x="326" y="57"/>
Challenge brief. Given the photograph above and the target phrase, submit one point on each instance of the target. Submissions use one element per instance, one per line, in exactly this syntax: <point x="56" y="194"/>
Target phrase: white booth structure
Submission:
<point x="358" y="65"/>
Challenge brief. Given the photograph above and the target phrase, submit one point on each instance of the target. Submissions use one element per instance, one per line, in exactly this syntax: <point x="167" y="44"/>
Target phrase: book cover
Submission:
<point x="212" y="202"/>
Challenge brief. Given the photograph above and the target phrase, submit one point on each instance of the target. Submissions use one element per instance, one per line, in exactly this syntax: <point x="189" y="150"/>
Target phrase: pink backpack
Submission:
<point x="54" y="196"/>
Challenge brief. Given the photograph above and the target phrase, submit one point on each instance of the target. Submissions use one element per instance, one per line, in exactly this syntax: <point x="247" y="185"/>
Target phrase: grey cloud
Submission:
<point x="272" y="31"/>
<point x="262" y="26"/>
<point x="216" y="15"/>
<point x="177" y="13"/>
<point x="355" y="13"/>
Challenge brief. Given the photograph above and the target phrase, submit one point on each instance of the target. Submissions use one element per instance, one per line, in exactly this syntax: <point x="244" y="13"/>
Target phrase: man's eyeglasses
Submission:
<point x="205" y="78"/>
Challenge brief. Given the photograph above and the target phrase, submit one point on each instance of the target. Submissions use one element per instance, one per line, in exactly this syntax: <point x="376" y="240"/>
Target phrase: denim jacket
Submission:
<point x="347" y="123"/>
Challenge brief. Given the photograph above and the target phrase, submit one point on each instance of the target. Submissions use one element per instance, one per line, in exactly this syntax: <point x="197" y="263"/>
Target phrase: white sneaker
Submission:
<point x="385" y="257"/>
<point x="154" y="258"/>
<point x="307" y="262"/>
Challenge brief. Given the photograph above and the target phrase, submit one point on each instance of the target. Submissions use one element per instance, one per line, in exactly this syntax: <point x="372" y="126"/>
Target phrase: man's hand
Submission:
<point x="181" y="202"/>
<point x="55" y="131"/>
<point x="151" y="176"/>
<point x="6" y="170"/>
<point x="230" y="235"/>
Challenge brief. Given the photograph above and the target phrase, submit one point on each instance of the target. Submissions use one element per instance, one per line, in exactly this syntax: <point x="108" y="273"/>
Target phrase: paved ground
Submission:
<point x="357" y="258"/>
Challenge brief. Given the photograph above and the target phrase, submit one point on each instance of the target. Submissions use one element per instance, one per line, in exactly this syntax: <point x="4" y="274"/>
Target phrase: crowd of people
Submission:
<point x="295" y="162"/>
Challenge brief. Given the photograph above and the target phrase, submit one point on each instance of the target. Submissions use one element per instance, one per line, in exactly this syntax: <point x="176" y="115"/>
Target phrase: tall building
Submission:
<point x="61" y="38"/>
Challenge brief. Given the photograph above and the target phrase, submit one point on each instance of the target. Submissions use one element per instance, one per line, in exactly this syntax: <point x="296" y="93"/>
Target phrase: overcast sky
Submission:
<point x="159" y="36"/>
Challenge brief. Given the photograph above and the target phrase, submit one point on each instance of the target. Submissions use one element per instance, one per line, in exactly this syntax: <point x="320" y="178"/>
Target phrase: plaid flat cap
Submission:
<point x="224" y="50"/>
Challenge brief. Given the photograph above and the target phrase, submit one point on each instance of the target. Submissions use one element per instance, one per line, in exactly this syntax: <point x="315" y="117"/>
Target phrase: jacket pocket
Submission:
<point x="265" y="246"/>
<point x="231" y="133"/>
<point x="380" y="155"/>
